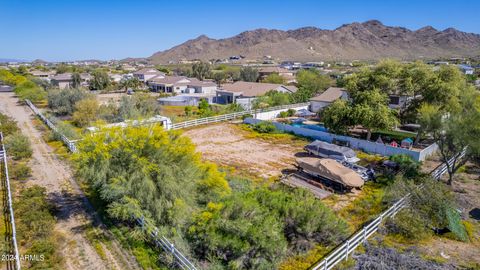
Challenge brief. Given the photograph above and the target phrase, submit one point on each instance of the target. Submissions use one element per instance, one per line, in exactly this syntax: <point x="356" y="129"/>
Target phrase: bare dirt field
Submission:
<point x="228" y="145"/>
<point x="75" y="214"/>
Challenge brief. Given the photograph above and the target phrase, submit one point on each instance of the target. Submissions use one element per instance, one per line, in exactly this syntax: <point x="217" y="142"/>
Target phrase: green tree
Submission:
<point x="201" y="70"/>
<point x="133" y="83"/>
<point x="147" y="171"/>
<point x="219" y="78"/>
<point x="274" y="78"/>
<point x="163" y="69"/>
<point x="454" y="129"/>
<point x="248" y="74"/>
<point x="272" y="98"/>
<point x="432" y="205"/>
<point x="370" y="109"/>
<point x="204" y="109"/>
<point x="29" y="90"/>
<point x="100" y="80"/>
<point x="62" y="101"/>
<point x="310" y="83"/>
<point x="86" y="111"/>
<point x="240" y="233"/>
<point x="76" y="80"/>
<point x="337" y="117"/>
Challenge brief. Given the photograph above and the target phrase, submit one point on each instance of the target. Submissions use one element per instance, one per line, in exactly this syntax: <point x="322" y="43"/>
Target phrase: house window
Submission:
<point x="394" y="100"/>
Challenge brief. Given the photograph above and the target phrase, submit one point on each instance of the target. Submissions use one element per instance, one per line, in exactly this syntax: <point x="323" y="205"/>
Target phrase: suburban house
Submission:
<point x="115" y="77"/>
<point x="146" y="74"/>
<point x="326" y="98"/>
<point x="466" y="69"/>
<point x="288" y="75"/>
<point x="64" y="80"/>
<point x="44" y="75"/>
<point x="190" y="91"/>
<point x="244" y="93"/>
<point x="181" y="84"/>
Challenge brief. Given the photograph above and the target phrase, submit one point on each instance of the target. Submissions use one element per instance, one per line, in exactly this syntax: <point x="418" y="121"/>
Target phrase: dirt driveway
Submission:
<point x="75" y="212"/>
<point x="226" y="144"/>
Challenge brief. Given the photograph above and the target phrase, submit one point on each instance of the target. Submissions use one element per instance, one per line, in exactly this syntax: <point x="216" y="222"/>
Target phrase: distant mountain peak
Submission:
<point x="373" y="22"/>
<point x="367" y="40"/>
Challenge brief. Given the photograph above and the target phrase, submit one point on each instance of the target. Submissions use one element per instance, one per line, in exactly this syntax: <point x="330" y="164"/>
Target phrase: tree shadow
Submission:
<point x="475" y="213"/>
<point x="68" y="205"/>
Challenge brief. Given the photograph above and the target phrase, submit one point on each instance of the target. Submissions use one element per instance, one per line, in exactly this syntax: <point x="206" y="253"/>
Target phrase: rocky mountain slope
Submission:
<point x="368" y="40"/>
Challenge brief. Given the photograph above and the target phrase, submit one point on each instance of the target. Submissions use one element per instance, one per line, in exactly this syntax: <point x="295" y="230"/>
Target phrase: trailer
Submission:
<point x="328" y="150"/>
<point x="332" y="171"/>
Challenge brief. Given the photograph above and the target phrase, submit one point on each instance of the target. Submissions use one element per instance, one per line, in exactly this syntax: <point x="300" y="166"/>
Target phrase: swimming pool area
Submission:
<point x="318" y="127"/>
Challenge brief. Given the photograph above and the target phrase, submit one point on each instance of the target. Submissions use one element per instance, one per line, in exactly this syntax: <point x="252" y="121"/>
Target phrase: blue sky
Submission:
<point x="73" y="29"/>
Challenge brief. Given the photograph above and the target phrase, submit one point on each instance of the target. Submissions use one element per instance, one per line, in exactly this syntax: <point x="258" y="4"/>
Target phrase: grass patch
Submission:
<point x="274" y="138"/>
<point x="146" y="256"/>
<point x="365" y="207"/>
<point x="306" y="260"/>
<point x="96" y="238"/>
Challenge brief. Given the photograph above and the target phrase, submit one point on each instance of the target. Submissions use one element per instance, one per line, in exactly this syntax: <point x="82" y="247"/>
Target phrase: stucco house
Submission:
<point x="181" y="84"/>
<point x="326" y="98"/>
<point x="64" y="80"/>
<point x="288" y="75"/>
<point x="146" y="74"/>
<point x="244" y="93"/>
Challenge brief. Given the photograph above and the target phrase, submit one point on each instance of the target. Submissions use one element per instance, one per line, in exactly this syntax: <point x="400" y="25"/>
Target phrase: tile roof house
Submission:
<point x="181" y="84"/>
<point x="146" y="74"/>
<point x="326" y="98"/>
<point x="41" y="74"/>
<point x="288" y="75"/>
<point x="64" y="80"/>
<point x="245" y="92"/>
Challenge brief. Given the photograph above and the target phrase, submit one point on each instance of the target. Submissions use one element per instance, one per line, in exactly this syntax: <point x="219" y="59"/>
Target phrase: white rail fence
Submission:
<point x="232" y="116"/>
<point x="157" y="239"/>
<point x="166" y="245"/>
<point x="3" y="155"/>
<point x="341" y="252"/>
<point x="69" y="143"/>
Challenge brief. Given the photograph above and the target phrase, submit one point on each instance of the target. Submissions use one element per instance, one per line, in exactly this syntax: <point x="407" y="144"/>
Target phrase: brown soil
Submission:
<point x="75" y="214"/>
<point x="228" y="145"/>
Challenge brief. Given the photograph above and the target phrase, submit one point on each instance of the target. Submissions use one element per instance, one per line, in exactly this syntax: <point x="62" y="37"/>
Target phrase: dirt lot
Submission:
<point x="75" y="214"/>
<point x="228" y="145"/>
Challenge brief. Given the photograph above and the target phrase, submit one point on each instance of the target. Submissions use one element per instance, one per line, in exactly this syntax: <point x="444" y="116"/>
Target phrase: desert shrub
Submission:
<point x="408" y="225"/>
<point x="245" y="116"/>
<point x="20" y="171"/>
<point x="388" y="258"/>
<point x="86" y="111"/>
<point x="62" y="101"/>
<point x="409" y="167"/>
<point x="283" y="114"/>
<point x="29" y="90"/>
<point x="18" y="146"/>
<point x="257" y="228"/>
<point x="291" y="112"/>
<point x="469" y="228"/>
<point x="147" y="171"/>
<point x="8" y="126"/>
<point x="240" y="233"/>
<point x="67" y="130"/>
<point x="35" y="224"/>
<point x="433" y="202"/>
<point x="264" y="127"/>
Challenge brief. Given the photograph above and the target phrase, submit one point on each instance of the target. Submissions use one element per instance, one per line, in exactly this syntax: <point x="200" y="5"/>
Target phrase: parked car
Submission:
<point x="328" y="150"/>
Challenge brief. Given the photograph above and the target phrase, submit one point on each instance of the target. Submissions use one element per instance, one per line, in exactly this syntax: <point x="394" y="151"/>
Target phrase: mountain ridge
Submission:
<point x="355" y="41"/>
